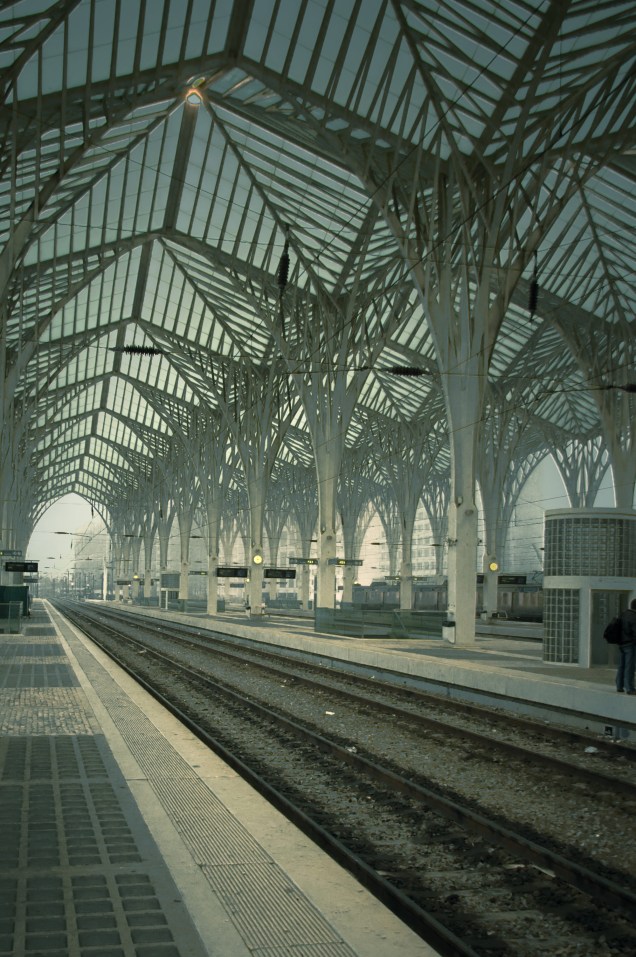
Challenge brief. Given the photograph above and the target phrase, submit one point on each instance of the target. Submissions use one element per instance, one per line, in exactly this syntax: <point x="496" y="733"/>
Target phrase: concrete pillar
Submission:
<point x="490" y="586"/>
<point x="348" y="577"/>
<point x="462" y="579"/>
<point x="406" y="586"/>
<point x="304" y="595"/>
<point x="255" y="590"/>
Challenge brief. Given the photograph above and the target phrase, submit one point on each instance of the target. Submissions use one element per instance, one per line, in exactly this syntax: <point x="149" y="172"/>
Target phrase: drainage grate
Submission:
<point x="44" y="649"/>
<point x="38" y="675"/>
<point x="69" y="862"/>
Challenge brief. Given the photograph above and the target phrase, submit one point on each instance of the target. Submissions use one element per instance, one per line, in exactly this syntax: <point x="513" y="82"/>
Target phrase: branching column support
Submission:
<point x="500" y="436"/>
<point x="149" y="531"/>
<point x="607" y="360"/>
<point x="391" y="519"/>
<point x="328" y="340"/>
<point x="468" y="226"/>
<point x="164" y="516"/>
<point x="257" y="412"/>
<point x="302" y="493"/>
<point x="276" y="516"/>
<point x="435" y="499"/>
<point x="583" y="463"/>
<point x="408" y="454"/>
<point x="355" y="493"/>
<point x="215" y="463"/>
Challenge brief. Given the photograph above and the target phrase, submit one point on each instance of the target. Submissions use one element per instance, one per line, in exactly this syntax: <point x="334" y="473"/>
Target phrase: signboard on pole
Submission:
<point x="279" y="573"/>
<point x="303" y="561"/>
<point x="345" y="561"/>
<point x="20" y="566"/>
<point x="231" y="571"/>
<point x="170" y="579"/>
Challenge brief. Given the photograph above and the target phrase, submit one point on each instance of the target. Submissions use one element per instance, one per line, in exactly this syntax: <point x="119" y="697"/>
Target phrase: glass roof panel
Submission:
<point x="141" y="235"/>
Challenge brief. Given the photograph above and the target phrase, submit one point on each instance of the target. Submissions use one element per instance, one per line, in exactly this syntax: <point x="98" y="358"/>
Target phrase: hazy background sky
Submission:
<point x="53" y="551"/>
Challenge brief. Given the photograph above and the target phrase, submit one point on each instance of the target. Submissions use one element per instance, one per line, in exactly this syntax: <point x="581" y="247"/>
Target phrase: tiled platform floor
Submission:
<point x="121" y="836"/>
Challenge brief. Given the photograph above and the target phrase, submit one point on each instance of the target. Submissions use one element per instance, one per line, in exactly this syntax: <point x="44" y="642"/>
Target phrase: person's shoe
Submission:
<point x="619" y="691"/>
<point x="630" y="692"/>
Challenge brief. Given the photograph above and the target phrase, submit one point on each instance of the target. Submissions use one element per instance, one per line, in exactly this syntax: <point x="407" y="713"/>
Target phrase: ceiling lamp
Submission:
<point x="193" y="95"/>
<point x="533" y="296"/>
<point x="283" y="268"/>
<point x="404" y="370"/>
<point x="137" y="350"/>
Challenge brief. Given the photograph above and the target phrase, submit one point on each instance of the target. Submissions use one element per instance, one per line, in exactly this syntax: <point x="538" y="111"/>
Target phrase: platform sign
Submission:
<point x="170" y="580"/>
<point x="10" y="553"/>
<point x="231" y="571"/>
<point x="505" y="579"/>
<point x="303" y="561"/>
<point x="123" y="581"/>
<point x="197" y="571"/>
<point x="279" y="573"/>
<point x="20" y="566"/>
<point x="345" y="561"/>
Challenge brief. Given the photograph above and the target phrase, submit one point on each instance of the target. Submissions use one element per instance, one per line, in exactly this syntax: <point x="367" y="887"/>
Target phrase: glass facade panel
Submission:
<point x="561" y="624"/>
<point x="590" y="546"/>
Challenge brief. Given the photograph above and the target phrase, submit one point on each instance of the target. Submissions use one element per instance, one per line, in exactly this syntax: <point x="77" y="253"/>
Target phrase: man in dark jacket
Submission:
<point x="627" y="650"/>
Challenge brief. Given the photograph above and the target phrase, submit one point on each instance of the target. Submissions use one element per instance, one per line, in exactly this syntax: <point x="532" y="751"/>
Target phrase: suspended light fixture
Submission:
<point x="138" y="350"/>
<point x="404" y="370"/>
<point x="533" y="296"/>
<point x="193" y="95"/>
<point x="283" y="268"/>
<point x="281" y="278"/>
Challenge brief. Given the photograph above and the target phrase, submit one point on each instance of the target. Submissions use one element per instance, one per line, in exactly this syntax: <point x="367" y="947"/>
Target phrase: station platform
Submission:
<point x="500" y="669"/>
<point x="123" y="836"/>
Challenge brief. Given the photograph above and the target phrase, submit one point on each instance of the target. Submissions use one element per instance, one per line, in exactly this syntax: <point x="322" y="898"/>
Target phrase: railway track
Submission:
<point x="469" y="882"/>
<point x="549" y="746"/>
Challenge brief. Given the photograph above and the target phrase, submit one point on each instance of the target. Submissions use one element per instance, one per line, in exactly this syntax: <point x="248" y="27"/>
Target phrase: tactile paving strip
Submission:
<point x="270" y="913"/>
<point x="74" y="881"/>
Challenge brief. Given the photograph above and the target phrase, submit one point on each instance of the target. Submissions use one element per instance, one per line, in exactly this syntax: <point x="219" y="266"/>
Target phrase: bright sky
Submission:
<point x="53" y="551"/>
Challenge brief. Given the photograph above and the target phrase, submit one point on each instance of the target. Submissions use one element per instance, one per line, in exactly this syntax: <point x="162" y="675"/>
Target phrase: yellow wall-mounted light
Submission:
<point x="258" y="559"/>
<point x="493" y="567"/>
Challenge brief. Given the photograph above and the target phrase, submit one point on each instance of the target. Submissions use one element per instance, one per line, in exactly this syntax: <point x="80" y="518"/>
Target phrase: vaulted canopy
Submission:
<point x="159" y="158"/>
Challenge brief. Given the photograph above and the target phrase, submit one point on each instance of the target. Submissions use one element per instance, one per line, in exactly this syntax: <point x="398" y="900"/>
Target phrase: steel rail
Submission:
<point x="481" y="740"/>
<point x="607" y="892"/>
<point x="610" y="747"/>
<point x="426" y="925"/>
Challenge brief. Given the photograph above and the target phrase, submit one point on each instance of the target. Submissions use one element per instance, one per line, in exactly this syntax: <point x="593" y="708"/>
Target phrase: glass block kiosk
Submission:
<point x="589" y="576"/>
